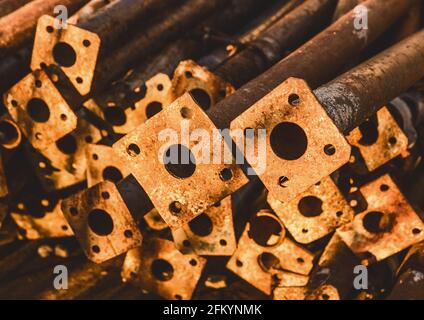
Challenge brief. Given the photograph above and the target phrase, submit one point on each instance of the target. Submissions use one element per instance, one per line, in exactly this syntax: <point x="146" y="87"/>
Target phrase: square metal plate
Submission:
<point x="303" y="144"/>
<point x="178" y="200"/>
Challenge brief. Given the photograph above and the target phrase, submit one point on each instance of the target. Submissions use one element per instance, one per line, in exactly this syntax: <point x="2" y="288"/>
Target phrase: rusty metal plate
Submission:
<point x="159" y="94"/>
<point x="101" y="222"/>
<point x="52" y="225"/>
<point x="264" y="255"/>
<point x="315" y="213"/>
<point x="74" y="49"/>
<point x="64" y="162"/>
<point x="303" y="144"/>
<point x="206" y="87"/>
<point x="180" y="196"/>
<point x="160" y="268"/>
<point x="39" y="110"/>
<point x="380" y="142"/>
<point x="289" y="293"/>
<point x="388" y="226"/>
<point x="102" y="165"/>
<point x="209" y="234"/>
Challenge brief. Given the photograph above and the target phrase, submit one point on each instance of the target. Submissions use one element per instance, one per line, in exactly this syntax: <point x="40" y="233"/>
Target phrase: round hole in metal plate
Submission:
<point x="310" y="206"/>
<point x="64" y="54"/>
<point x="100" y="222"/>
<point x="268" y="261"/>
<point x="112" y="174"/>
<point x="378" y="222"/>
<point x="38" y="110"/>
<point x="201" y="226"/>
<point x="288" y="141"/>
<point x="266" y="230"/>
<point x="179" y="161"/>
<point x="162" y="270"/>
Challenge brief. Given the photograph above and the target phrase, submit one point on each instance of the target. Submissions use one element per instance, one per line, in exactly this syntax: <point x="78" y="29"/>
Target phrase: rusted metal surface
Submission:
<point x="176" y="199"/>
<point x="266" y="258"/>
<point x="84" y="181"/>
<point x="358" y="94"/>
<point x="106" y="231"/>
<point x="209" y="234"/>
<point x="313" y="139"/>
<point x="314" y="213"/>
<point x="18" y="27"/>
<point x="388" y="226"/>
<point x="160" y="268"/>
<point x="379" y="140"/>
<point x="283" y="36"/>
<point x="316" y="61"/>
<point x="37" y="107"/>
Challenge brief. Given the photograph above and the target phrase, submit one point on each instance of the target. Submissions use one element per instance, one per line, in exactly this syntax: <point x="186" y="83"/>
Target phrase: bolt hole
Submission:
<point x="378" y="222"/>
<point x="416" y="231"/>
<point x="186" y="113"/>
<point x="329" y="150"/>
<point x="86" y="43"/>
<point x="193" y="262"/>
<point x="175" y="207"/>
<point x="226" y="174"/>
<point x="128" y="234"/>
<point x="239" y="263"/>
<point x="384" y="187"/>
<point x="49" y="29"/>
<point x="112" y="174"/>
<point x="294" y="100"/>
<point x="223" y="242"/>
<point x="96" y="249"/>
<point x="105" y="195"/>
<point x="133" y="150"/>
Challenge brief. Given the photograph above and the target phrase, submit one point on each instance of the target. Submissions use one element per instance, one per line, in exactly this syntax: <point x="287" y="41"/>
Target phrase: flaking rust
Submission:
<point x="314" y="213"/>
<point x="303" y="144"/>
<point x="209" y="234"/>
<point x="388" y="226"/>
<point x="159" y="267"/>
<point x="266" y="258"/>
<point x="179" y="192"/>
<point x="379" y="141"/>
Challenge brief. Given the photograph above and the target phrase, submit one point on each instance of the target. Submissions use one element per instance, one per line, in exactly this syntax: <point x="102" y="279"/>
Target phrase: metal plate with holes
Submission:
<point x="314" y="213"/>
<point x="264" y="255"/>
<point x="101" y="222"/>
<point x="303" y="144"/>
<point x="102" y="165"/>
<point x="159" y="94"/>
<point x="39" y="110"/>
<point x="381" y="142"/>
<point x="73" y="49"/>
<point x="160" y="268"/>
<point x="64" y="162"/>
<point x="207" y="88"/>
<point x="52" y="225"/>
<point x="179" y="192"/>
<point x="388" y="226"/>
<point x="209" y="234"/>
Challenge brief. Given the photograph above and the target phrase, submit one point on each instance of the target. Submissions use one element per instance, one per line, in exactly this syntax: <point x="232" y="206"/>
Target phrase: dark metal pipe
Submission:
<point x="317" y="61"/>
<point x="358" y="94"/>
<point x="282" y="37"/>
<point x="18" y="27"/>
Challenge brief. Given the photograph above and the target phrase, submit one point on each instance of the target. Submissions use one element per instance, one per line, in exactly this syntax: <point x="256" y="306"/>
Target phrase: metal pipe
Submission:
<point x="118" y="18"/>
<point x="285" y="35"/>
<point x="317" y="61"/>
<point x="18" y="27"/>
<point x="8" y="6"/>
<point x="155" y="38"/>
<point x="358" y="94"/>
